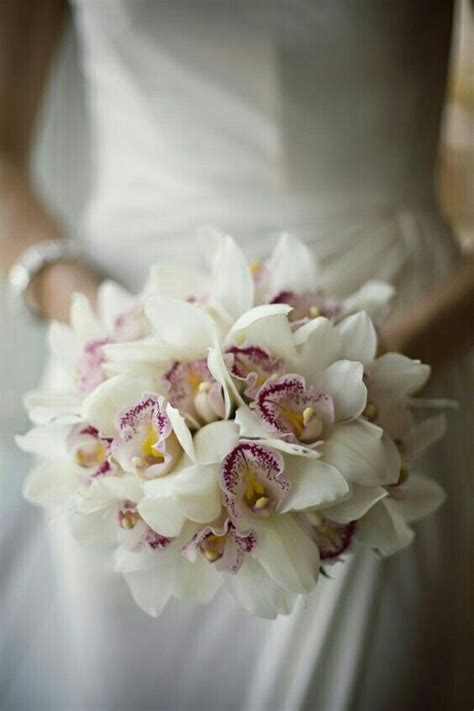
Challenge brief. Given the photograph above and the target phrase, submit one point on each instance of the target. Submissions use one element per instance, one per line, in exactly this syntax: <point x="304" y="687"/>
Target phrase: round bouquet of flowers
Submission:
<point x="235" y="427"/>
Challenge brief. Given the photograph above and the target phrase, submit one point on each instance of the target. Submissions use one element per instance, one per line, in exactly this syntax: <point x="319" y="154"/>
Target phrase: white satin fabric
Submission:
<point x="318" y="118"/>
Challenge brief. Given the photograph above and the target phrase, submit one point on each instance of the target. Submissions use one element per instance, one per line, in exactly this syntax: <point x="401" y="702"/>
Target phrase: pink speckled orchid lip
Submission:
<point x="136" y="534"/>
<point x="333" y="539"/>
<point x="130" y="325"/>
<point x="224" y="546"/>
<point x="253" y="365"/>
<point x="90" y="451"/>
<point x="252" y="480"/>
<point x="308" y="305"/>
<point x="293" y="411"/>
<point x="194" y="392"/>
<point x="89" y="368"/>
<point x="145" y="443"/>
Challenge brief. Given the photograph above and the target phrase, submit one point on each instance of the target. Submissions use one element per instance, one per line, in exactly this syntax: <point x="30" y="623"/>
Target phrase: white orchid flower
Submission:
<point x="152" y="564"/>
<point x="293" y="276"/>
<point x="70" y="456"/>
<point x="386" y="527"/>
<point x="227" y="287"/>
<point x="79" y="346"/>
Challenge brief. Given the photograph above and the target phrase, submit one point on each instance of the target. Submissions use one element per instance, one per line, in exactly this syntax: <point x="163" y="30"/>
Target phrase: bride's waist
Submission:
<point x="137" y="210"/>
<point x="358" y="236"/>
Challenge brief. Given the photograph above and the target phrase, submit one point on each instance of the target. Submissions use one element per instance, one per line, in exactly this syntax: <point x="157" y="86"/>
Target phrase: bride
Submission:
<point x="319" y="118"/>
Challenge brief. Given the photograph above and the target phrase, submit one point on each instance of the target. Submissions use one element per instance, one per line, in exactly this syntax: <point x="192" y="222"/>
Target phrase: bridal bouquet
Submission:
<point x="235" y="427"/>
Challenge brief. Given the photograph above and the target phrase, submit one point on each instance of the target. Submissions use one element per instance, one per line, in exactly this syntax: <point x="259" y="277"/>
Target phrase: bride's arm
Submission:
<point x="29" y="34"/>
<point x="440" y="327"/>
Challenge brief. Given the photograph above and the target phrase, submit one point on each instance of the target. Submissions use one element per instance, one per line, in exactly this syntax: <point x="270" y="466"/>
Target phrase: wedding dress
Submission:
<point x="320" y="118"/>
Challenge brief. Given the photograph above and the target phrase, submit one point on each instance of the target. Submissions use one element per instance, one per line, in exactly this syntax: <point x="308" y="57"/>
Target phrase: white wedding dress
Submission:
<point x="320" y="118"/>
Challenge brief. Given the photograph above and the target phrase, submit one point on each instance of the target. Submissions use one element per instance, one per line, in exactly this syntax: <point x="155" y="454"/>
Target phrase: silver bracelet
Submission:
<point x="30" y="263"/>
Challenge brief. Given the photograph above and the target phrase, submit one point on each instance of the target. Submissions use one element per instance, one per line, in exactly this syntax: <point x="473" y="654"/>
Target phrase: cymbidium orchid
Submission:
<point x="145" y="444"/>
<point x="233" y="429"/>
<point x="80" y="346"/>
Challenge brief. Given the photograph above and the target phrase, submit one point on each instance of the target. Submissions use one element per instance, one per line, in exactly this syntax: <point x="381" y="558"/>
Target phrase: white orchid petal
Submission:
<point x="398" y="376"/>
<point x="181" y="431"/>
<point x="318" y="346"/>
<point x="267" y="327"/>
<point x="83" y="320"/>
<point x="151" y="589"/>
<point x="250" y="428"/>
<point x="147" y="350"/>
<point x="65" y="344"/>
<point x="212" y="442"/>
<point x="295" y="450"/>
<point x="51" y="484"/>
<point x="177" y="282"/>
<point x="108" y="491"/>
<point x="358" y="338"/>
<point x="46" y="441"/>
<point x="287" y="553"/>
<point x="113" y="301"/>
<point x="100" y="408"/>
<point x="219" y="371"/>
<point x="162" y="515"/>
<point x="373" y="297"/>
<point x="196" y="491"/>
<point x="231" y="278"/>
<point x="198" y="582"/>
<point x="95" y="529"/>
<point x="313" y="484"/>
<point x="425" y="435"/>
<point x="47" y="406"/>
<point x="292" y="266"/>
<point x="358" y="451"/>
<point x="184" y="327"/>
<point x="361" y="499"/>
<point x="258" y="593"/>
<point x="258" y="313"/>
<point x="419" y="496"/>
<point x="384" y="529"/>
<point x="343" y="382"/>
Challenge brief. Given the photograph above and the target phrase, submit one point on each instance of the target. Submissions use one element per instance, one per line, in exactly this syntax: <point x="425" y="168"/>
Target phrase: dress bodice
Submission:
<point x="257" y="114"/>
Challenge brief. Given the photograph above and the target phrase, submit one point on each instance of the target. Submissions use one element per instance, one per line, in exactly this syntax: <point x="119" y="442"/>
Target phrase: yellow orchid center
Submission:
<point x="255" y="491"/>
<point x="296" y="419"/>
<point x="370" y="411"/>
<point x="214" y="547"/>
<point x="255" y="267"/>
<point x="91" y="456"/>
<point x="149" y="444"/>
<point x="129" y="520"/>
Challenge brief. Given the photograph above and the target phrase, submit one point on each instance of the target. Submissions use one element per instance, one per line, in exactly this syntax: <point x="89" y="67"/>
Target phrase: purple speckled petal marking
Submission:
<point x="332" y="538"/>
<point x="135" y="534"/>
<point x="294" y="412"/>
<point x="253" y="365"/>
<point x="252" y="480"/>
<point x="224" y="546"/>
<point x="89" y="369"/>
<point x="90" y="451"/>
<point x="151" y="408"/>
<point x="308" y="305"/>
<point x="146" y="442"/>
<point x="131" y="325"/>
<point x="194" y="392"/>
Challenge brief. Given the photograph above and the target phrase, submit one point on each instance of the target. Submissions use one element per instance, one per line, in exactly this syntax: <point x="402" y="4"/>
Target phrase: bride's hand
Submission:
<point x="440" y="327"/>
<point x="24" y="221"/>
